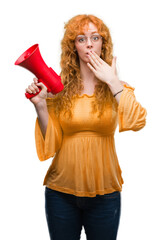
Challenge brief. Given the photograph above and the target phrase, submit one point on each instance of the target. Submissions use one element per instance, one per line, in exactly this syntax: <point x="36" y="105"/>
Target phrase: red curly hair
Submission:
<point x="70" y="69"/>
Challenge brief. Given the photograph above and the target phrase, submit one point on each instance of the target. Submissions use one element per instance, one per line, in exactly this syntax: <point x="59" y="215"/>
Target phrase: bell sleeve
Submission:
<point x="131" y="115"/>
<point x="47" y="147"/>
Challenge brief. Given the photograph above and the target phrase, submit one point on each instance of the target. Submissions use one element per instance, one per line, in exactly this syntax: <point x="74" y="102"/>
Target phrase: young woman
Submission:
<point x="77" y="126"/>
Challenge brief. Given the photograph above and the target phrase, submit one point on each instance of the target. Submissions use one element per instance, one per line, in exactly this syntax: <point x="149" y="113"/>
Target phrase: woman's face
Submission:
<point x="90" y="40"/>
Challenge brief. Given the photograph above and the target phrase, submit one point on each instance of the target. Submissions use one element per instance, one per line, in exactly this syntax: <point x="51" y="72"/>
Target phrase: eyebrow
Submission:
<point x="91" y="33"/>
<point x="94" y="32"/>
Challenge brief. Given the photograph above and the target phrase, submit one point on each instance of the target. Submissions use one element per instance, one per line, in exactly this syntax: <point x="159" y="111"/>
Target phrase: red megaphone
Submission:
<point x="32" y="60"/>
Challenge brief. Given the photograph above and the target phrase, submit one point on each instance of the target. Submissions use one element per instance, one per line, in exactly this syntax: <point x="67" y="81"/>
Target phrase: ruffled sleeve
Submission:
<point x="131" y="115"/>
<point x="47" y="147"/>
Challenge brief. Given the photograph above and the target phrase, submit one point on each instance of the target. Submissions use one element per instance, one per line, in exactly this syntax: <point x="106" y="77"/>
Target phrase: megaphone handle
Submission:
<point x="30" y="95"/>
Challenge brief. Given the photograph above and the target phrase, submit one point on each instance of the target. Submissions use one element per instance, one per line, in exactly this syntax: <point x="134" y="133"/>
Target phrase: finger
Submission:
<point x="92" y="68"/>
<point x="28" y="90"/>
<point x="97" y="57"/>
<point x="35" y="87"/>
<point x="35" y="80"/>
<point x="114" y="64"/>
<point x="40" y="84"/>
<point x="93" y="61"/>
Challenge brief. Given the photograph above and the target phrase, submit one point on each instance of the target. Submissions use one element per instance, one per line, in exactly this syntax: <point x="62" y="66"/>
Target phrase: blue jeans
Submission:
<point x="67" y="213"/>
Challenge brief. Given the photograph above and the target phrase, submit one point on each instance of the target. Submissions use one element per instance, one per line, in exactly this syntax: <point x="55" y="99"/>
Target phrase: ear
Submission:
<point x="75" y="50"/>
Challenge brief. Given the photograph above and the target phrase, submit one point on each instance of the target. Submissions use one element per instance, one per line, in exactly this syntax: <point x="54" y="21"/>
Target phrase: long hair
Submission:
<point x="70" y="68"/>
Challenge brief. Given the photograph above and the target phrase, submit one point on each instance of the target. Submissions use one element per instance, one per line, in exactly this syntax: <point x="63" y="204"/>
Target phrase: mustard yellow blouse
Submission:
<point x="85" y="161"/>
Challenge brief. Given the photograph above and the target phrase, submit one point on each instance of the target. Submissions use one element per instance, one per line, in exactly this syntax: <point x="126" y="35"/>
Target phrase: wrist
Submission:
<point x="41" y="105"/>
<point x="115" y="86"/>
<point x="117" y="93"/>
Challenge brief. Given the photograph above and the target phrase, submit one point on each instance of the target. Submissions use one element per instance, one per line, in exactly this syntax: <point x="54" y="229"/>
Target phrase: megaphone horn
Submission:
<point x="32" y="60"/>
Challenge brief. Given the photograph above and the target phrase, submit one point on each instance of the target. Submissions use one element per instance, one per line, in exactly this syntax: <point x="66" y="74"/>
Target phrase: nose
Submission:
<point x="89" y="43"/>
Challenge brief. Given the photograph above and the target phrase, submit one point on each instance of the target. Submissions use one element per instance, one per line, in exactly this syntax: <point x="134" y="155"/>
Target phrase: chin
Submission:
<point x="85" y="59"/>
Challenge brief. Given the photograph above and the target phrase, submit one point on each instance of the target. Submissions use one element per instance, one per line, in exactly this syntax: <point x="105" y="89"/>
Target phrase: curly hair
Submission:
<point x="70" y="68"/>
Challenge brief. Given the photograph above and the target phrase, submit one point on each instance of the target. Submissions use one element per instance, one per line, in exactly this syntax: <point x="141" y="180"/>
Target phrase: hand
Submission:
<point x="33" y="88"/>
<point x="101" y="69"/>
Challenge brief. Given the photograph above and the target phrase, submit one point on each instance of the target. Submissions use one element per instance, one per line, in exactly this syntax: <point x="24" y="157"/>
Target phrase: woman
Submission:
<point x="77" y="127"/>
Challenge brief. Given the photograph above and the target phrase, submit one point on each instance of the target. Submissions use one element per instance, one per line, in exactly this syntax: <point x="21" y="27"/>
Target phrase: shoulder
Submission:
<point x="128" y="86"/>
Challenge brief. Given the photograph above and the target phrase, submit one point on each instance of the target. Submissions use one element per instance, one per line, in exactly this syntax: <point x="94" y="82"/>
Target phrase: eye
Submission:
<point x="95" y="38"/>
<point x="81" y="40"/>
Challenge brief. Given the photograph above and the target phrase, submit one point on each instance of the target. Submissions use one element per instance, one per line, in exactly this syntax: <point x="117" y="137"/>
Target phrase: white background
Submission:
<point x="135" y="31"/>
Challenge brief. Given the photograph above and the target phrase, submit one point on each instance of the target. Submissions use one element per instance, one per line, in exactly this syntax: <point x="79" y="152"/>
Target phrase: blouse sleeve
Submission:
<point x="47" y="147"/>
<point x="131" y="115"/>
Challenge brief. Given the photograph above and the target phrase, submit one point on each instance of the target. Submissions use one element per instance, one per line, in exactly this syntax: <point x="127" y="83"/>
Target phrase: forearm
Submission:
<point x="43" y="115"/>
<point x="116" y="87"/>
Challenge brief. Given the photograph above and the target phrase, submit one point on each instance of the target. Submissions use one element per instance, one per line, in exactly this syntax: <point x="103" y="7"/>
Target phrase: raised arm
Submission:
<point x="48" y="132"/>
